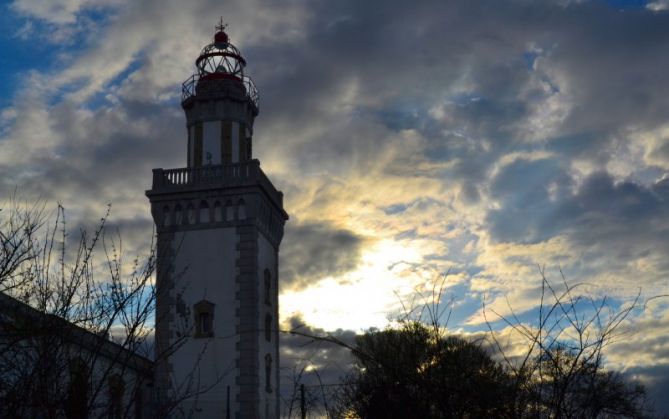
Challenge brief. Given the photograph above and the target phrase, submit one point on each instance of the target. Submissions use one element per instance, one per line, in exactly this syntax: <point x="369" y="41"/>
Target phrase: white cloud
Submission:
<point x="59" y="12"/>
<point x="658" y="5"/>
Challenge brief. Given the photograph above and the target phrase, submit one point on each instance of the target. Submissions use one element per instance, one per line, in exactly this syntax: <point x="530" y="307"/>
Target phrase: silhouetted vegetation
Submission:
<point x="410" y="372"/>
<point x="76" y="322"/>
<point x="552" y="368"/>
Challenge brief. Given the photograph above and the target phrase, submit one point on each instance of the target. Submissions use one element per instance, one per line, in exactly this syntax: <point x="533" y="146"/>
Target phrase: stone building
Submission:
<point x="219" y="222"/>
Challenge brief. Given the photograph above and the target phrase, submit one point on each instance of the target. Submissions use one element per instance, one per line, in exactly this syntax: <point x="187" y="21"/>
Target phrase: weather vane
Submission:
<point x="221" y="26"/>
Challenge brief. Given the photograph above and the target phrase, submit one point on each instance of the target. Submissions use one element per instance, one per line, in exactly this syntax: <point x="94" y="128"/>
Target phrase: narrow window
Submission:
<point x="205" y="323"/>
<point x="268" y="373"/>
<point x="229" y="211"/>
<point x="268" y="327"/>
<point x="204" y="319"/>
<point x="226" y="142"/>
<point x="268" y="288"/>
<point x="190" y="212"/>
<point x="241" y="137"/>
<point x="204" y="212"/>
<point x="166" y="215"/>
<point x="198" y="145"/>
<point x="242" y="210"/>
<point x="178" y="215"/>
<point x="189" y="152"/>
<point x="218" y="212"/>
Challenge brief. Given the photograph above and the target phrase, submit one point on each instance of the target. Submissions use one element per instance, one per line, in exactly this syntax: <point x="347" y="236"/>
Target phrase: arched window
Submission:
<point x="241" y="211"/>
<point x="204" y="323"/>
<point x="229" y="211"/>
<point x="204" y="212"/>
<point x="265" y="216"/>
<point x="268" y="327"/>
<point x="166" y="215"/>
<point x="191" y="214"/>
<point x="204" y="319"/>
<point x="268" y="287"/>
<point x="268" y="373"/>
<point x="178" y="215"/>
<point x="218" y="212"/>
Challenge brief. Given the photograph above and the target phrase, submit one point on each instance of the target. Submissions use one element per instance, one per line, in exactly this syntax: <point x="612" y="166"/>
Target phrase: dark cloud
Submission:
<point x="627" y="49"/>
<point x="311" y="357"/>
<point x="529" y="192"/>
<point x="610" y="222"/>
<point x="622" y="222"/>
<point x="312" y="251"/>
<point x="656" y="382"/>
<point x="472" y="59"/>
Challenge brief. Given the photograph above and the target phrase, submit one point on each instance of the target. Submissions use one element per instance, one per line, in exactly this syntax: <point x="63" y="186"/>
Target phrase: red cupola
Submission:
<point x="220" y="60"/>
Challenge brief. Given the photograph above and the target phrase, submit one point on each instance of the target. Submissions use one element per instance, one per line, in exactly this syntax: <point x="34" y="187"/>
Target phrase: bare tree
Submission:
<point x="560" y="373"/>
<point x="77" y="321"/>
<point x="75" y="340"/>
<point x="18" y="228"/>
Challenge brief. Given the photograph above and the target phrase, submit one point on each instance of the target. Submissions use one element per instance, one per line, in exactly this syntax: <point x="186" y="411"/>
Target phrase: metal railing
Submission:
<point x="188" y="89"/>
<point x="251" y="91"/>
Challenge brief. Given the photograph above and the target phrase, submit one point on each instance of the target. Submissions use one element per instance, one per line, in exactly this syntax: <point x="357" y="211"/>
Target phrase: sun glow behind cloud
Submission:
<point x="363" y="298"/>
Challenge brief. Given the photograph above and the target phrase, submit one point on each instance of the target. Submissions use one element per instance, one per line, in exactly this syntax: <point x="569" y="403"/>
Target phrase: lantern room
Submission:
<point x="221" y="103"/>
<point x="220" y="59"/>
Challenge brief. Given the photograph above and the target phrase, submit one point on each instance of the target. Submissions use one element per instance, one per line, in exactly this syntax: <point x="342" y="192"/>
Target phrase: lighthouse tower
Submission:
<point x="219" y="223"/>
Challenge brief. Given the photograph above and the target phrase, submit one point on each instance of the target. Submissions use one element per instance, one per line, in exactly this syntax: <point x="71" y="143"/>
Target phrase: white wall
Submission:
<point x="207" y="259"/>
<point x="267" y="259"/>
<point x="211" y="142"/>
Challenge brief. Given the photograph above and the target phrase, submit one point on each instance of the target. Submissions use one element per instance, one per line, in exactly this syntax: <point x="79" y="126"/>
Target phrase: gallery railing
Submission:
<point x="234" y="174"/>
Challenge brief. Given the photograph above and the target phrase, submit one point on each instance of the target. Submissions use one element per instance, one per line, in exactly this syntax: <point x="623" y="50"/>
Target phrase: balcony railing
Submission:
<point x="235" y="174"/>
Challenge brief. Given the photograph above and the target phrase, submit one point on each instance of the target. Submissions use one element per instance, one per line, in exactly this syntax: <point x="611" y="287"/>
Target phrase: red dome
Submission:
<point x="221" y="38"/>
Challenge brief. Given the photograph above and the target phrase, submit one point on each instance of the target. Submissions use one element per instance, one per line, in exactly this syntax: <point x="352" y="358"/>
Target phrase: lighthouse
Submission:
<point x="219" y="223"/>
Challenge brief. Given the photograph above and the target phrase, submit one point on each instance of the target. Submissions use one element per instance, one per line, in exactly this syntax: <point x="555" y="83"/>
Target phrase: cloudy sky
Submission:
<point x="487" y="139"/>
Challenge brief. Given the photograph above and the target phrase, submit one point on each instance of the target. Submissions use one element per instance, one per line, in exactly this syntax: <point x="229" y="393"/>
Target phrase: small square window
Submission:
<point x="268" y="373"/>
<point x="205" y="323"/>
<point x="204" y="319"/>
